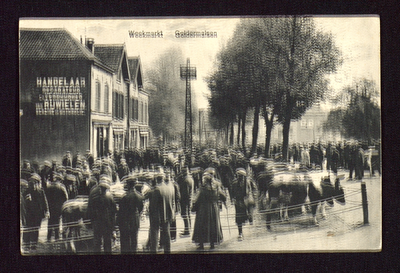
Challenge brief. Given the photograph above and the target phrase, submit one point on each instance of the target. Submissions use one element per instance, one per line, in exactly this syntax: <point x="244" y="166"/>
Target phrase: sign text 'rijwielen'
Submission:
<point x="60" y="96"/>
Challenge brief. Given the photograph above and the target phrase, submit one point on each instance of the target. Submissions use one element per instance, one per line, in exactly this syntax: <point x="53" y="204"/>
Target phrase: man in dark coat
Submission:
<point x="243" y="198"/>
<point x="56" y="194"/>
<point x="128" y="220"/>
<point x="26" y="170"/>
<point x="101" y="211"/>
<point x="89" y="159"/>
<point x="76" y="159"/>
<point x="163" y="213"/>
<point x="67" y="160"/>
<point x="45" y="174"/>
<point x="186" y="183"/>
<point x="207" y="227"/>
<point x="335" y="158"/>
<point x="36" y="209"/>
<point x="352" y="160"/>
<point x="123" y="169"/>
<point x="359" y="163"/>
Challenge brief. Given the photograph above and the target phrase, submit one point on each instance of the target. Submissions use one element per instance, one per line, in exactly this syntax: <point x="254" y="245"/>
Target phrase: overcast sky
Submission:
<point x="357" y="37"/>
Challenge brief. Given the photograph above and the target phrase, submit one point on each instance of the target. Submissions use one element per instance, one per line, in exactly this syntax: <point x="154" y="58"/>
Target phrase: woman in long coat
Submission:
<point x="207" y="228"/>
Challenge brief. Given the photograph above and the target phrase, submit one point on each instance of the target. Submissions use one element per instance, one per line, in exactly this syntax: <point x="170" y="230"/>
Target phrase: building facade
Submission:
<point x="76" y="96"/>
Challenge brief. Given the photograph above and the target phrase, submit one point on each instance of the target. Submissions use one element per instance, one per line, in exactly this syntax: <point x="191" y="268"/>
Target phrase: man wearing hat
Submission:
<point x="56" y="194"/>
<point x="36" y="209"/>
<point x="101" y="211"/>
<point x="128" y="218"/>
<point x="243" y="198"/>
<point x="162" y="213"/>
<point x="185" y="182"/>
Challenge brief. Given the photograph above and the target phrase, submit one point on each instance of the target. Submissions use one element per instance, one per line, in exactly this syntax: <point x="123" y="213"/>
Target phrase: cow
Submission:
<point x="321" y="191"/>
<point x="73" y="212"/>
<point x="286" y="187"/>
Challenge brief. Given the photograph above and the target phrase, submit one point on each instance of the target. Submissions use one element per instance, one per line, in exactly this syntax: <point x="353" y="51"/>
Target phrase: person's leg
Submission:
<point x="167" y="237"/>
<point x="96" y="238"/>
<point x="107" y="241"/>
<point x="124" y="240"/>
<point x="134" y="239"/>
<point x="154" y="238"/>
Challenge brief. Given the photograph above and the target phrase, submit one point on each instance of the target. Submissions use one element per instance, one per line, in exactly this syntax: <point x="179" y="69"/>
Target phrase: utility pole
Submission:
<point x="188" y="73"/>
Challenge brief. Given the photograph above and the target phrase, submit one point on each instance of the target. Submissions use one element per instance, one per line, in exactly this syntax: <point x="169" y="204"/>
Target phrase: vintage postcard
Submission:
<point x="158" y="135"/>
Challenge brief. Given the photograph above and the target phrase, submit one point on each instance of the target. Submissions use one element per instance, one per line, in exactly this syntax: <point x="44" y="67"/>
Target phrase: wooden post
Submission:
<point x="364" y="202"/>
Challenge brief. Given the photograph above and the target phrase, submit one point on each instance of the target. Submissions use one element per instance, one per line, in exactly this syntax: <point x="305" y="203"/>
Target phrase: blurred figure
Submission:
<point x="67" y="160"/>
<point x="207" y="227"/>
<point x="36" y="208"/>
<point x="186" y="183"/>
<point x="162" y="214"/>
<point x="243" y="198"/>
<point x="128" y="220"/>
<point x="26" y="170"/>
<point x="56" y="196"/>
<point x="101" y="211"/>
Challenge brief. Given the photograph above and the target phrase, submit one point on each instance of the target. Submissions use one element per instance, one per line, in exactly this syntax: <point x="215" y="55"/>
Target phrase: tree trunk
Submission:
<point x="285" y="143"/>
<point x="244" y="132"/>
<point x="232" y="135"/>
<point x="269" y="125"/>
<point x="238" y="133"/>
<point x="255" y="129"/>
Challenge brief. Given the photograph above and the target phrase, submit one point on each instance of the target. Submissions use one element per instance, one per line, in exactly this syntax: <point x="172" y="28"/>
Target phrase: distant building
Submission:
<point x="77" y="96"/>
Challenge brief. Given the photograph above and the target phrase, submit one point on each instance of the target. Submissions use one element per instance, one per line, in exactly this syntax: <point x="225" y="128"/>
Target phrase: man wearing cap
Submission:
<point x="36" y="209"/>
<point x="123" y="169"/>
<point x="243" y="198"/>
<point x="101" y="211"/>
<point x="70" y="184"/>
<point x="45" y="174"/>
<point x="76" y="159"/>
<point x="89" y="159"/>
<point x="56" y="196"/>
<point x="185" y="182"/>
<point x="162" y="214"/>
<point x="128" y="220"/>
<point x="67" y="161"/>
<point x="26" y="170"/>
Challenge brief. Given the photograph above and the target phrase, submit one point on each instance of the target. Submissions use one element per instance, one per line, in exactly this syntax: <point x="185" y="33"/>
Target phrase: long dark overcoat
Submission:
<point x="207" y="228"/>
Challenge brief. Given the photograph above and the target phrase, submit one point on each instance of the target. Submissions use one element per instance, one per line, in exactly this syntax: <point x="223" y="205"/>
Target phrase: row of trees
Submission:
<point x="167" y="96"/>
<point x="275" y="67"/>
<point x="358" y="115"/>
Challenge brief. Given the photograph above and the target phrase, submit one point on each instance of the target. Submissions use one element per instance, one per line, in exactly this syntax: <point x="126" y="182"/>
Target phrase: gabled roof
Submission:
<point x="51" y="44"/>
<point x="111" y="55"/>
<point x="133" y="63"/>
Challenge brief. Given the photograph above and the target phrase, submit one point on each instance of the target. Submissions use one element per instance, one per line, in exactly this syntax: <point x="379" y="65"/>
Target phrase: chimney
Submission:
<point x="89" y="43"/>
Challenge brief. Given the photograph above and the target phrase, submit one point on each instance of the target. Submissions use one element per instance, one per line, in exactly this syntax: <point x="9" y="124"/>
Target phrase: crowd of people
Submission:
<point x="177" y="184"/>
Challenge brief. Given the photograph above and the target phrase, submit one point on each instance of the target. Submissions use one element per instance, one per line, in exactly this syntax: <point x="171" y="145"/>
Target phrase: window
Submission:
<point x="303" y="123"/>
<point x="98" y="97"/>
<point x="310" y="123"/>
<point x="136" y="110"/>
<point x="106" y="95"/>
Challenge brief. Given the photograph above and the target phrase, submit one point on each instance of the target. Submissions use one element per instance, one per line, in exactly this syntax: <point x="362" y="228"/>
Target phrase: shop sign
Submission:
<point x="60" y="96"/>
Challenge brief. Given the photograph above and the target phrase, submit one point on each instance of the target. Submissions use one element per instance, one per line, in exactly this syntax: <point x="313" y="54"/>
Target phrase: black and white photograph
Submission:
<point x="174" y="135"/>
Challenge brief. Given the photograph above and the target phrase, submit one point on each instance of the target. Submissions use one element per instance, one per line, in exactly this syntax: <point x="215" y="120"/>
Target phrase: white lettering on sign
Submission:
<point x="60" y="96"/>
